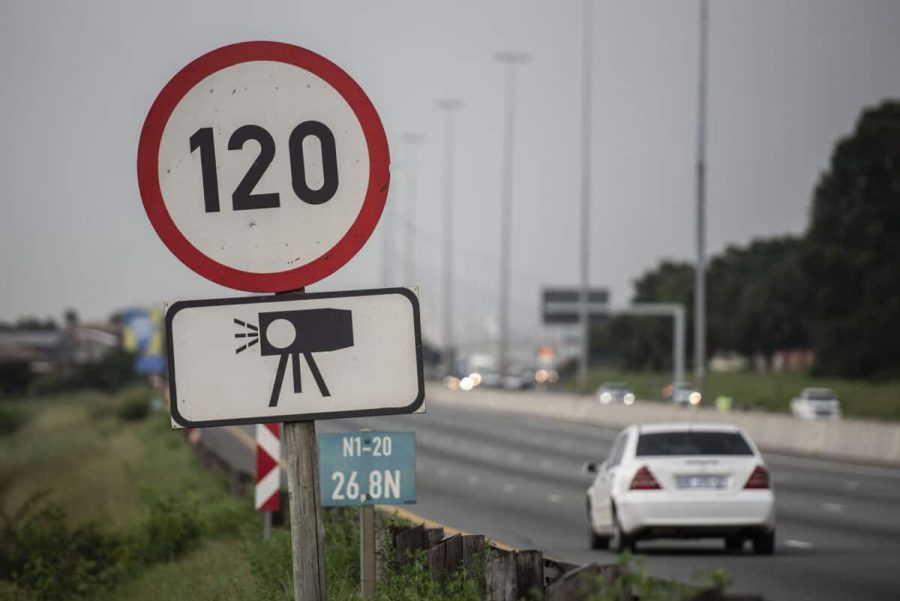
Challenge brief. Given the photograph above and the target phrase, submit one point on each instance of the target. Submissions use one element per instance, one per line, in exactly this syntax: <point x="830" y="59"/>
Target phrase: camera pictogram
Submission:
<point x="290" y="334"/>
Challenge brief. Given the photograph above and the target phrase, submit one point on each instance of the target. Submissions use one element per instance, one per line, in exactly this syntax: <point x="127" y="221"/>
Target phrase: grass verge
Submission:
<point x="767" y="392"/>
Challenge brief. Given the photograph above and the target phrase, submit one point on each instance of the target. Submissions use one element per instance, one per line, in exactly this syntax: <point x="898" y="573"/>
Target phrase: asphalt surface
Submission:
<point x="519" y="480"/>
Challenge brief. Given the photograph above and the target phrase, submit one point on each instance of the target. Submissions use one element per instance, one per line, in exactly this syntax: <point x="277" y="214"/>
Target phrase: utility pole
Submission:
<point x="510" y="60"/>
<point x="449" y="106"/>
<point x="410" y="141"/>
<point x="586" y="81"/>
<point x="700" y="268"/>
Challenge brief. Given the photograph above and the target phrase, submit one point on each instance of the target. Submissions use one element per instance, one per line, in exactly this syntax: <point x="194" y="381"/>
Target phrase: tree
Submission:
<point x="758" y="298"/>
<point x="646" y="342"/>
<point x="853" y="254"/>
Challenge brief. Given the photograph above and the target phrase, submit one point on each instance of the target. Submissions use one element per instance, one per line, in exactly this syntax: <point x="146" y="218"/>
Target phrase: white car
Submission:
<point x="615" y="392"/>
<point x="816" y="403"/>
<point x="685" y="395"/>
<point x="681" y="481"/>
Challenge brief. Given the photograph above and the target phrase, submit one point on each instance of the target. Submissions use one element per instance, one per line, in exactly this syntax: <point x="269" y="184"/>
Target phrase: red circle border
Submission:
<point x="148" y="167"/>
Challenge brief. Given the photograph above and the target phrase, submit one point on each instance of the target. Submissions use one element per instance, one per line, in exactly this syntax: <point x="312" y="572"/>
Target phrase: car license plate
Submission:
<point x="706" y="482"/>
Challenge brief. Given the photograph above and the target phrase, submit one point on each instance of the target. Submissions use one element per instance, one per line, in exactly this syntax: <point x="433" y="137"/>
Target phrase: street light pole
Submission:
<point x="449" y="106"/>
<point x="410" y="141"/>
<point x="510" y="60"/>
<point x="700" y="268"/>
<point x="586" y="81"/>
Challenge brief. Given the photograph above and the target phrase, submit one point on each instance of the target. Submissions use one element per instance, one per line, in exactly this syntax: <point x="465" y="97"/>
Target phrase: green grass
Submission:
<point x="102" y="504"/>
<point x="126" y="500"/>
<point x="216" y="569"/>
<point x="97" y="503"/>
<point x="768" y="392"/>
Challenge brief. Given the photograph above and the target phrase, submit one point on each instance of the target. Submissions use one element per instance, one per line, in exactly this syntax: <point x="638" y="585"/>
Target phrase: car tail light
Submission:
<point x="644" y="480"/>
<point x="759" y="478"/>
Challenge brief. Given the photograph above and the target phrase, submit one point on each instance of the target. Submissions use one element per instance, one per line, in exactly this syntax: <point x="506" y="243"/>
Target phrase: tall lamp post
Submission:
<point x="700" y="269"/>
<point x="410" y="141"/>
<point x="586" y="81"/>
<point x="449" y="106"/>
<point x="510" y="60"/>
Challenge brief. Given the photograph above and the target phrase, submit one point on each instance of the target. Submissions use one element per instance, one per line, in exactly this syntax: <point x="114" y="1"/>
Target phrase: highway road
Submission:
<point x="519" y="481"/>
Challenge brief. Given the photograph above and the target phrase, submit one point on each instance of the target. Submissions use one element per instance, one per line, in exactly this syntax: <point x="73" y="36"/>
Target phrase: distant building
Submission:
<point x="47" y="349"/>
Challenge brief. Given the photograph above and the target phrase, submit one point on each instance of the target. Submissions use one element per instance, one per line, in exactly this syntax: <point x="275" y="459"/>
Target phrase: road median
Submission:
<point x="847" y="439"/>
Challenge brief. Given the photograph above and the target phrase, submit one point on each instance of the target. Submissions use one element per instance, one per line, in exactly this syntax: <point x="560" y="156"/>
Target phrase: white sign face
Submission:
<point x="294" y="357"/>
<point x="263" y="166"/>
<point x="257" y="107"/>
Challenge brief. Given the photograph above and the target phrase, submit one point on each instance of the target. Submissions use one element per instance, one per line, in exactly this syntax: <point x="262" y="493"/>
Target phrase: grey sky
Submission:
<point x="786" y="79"/>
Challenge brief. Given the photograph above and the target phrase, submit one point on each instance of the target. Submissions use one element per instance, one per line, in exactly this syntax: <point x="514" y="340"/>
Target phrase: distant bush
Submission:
<point x="40" y="553"/>
<point x="113" y="372"/>
<point x="170" y="528"/>
<point x="12" y="417"/>
<point x="15" y="377"/>
<point x="134" y="406"/>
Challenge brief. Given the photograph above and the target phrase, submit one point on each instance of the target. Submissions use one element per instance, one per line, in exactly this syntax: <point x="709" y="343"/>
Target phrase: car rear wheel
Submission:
<point x="621" y="541"/>
<point x="764" y="543"/>
<point x="734" y="543"/>
<point x="596" y="541"/>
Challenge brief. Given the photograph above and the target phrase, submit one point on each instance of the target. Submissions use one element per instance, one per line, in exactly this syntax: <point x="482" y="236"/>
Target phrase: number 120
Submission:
<point x="243" y="197"/>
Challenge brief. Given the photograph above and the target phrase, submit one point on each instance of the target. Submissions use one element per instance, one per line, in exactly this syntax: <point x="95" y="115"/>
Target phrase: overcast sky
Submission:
<point x="787" y="77"/>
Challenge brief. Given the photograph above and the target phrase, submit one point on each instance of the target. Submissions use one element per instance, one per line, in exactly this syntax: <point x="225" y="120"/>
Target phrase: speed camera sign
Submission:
<point x="263" y="166"/>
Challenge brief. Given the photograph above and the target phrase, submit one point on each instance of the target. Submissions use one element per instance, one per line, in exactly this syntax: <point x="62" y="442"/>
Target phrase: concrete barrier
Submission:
<point x="848" y="439"/>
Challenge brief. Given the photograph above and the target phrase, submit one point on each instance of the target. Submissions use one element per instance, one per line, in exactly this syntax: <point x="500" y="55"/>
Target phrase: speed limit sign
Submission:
<point x="263" y="166"/>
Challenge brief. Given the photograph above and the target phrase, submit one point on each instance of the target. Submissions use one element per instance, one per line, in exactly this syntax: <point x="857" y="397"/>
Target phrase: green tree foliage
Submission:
<point x="643" y="342"/>
<point x="853" y="252"/>
<point x="757" y="297"/>
<point x="836" y="289"/>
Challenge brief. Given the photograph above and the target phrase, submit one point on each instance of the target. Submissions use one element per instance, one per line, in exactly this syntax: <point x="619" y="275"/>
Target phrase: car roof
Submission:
<point x="684" y="427"/>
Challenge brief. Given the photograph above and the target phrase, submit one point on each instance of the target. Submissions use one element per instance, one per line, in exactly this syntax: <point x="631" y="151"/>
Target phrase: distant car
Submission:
<point x="615" y="392"/>
<point x="681" y="481"/>
<point x="682" y="394"/>
<point x="816" y="403"/>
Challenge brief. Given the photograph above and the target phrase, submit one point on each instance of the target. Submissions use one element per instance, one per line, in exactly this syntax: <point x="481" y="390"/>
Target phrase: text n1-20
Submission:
<point x="244" y="198"/>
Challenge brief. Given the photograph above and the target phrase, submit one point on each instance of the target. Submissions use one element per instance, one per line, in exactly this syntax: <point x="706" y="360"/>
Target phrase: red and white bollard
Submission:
<point x="268" y="473"/>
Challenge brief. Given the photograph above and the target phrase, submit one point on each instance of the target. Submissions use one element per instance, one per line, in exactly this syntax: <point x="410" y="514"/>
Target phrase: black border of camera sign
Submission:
<point x="175" y="307"/>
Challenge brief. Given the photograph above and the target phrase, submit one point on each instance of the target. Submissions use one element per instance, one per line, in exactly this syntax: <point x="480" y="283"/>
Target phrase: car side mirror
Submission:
<point x="592" y="467"/>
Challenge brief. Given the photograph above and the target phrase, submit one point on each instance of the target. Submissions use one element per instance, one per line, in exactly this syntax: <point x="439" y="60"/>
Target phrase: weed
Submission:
<point x="41" y="554"/>
<point x="12" y="418"/>
<point x="169" y="528"/>
<point x="134" y="406"/>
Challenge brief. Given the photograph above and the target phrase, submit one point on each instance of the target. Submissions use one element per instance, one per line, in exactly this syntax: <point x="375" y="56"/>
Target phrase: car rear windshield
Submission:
<point x="692" y="443"/>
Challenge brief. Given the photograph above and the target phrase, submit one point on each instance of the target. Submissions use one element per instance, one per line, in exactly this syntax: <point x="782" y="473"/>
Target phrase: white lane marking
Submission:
<point x="798" y="544"/>
<point x="509" y="488"/>
<point x="833" y="507"/>
<point x="443" y="472"/>
<point x="474" y="480"/>
<point x="835" y="466"/>
<point x="554" y="498"/>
